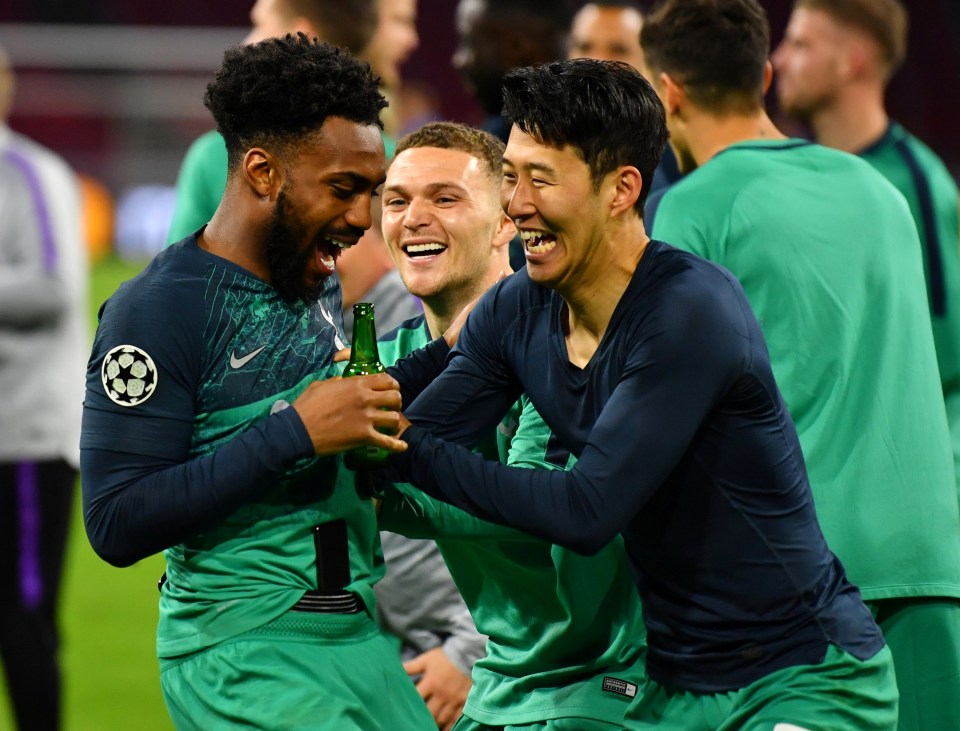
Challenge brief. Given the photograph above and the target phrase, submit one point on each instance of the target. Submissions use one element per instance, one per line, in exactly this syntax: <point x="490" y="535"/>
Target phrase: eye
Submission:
<point x="538" y="183"/>
<point x="446" y="200"/>
<point x="509" y="178"/>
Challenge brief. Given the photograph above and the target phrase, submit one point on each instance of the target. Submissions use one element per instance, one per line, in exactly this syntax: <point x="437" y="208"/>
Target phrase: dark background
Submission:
<point x="923" y="95"/>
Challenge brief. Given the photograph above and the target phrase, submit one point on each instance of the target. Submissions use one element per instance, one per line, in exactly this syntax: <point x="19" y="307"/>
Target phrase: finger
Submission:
<point x="382" y="382"/>
<point x="391" y="444"/>
<point x="342" y="355"/>
<point x="391" y="400"/>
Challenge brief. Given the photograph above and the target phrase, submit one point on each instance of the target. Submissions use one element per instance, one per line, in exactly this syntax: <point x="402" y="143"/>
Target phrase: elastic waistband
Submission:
<point x="317" y="602"/>
<point x="318" y="625"/>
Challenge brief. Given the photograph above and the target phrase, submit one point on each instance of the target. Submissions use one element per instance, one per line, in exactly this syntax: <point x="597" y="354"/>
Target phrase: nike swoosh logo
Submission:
<point x="236" y="362"/>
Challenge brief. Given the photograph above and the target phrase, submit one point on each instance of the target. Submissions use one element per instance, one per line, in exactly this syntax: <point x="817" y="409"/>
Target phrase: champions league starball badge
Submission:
<point x="129" y="375"/>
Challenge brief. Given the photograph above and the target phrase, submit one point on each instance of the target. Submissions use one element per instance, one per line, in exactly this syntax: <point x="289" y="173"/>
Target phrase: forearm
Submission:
<point x="412" y="513"/>
<point x="135" y="506"/>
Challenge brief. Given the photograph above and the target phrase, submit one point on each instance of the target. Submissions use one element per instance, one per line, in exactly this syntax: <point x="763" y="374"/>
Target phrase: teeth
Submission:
<point x="424" y="248"/>
<point x="534" y="241"/>
<point x="341" y="244"/>
<point x="541" y="248"/>
<point x="329" y="262"/>
<point x="531" y="234"/>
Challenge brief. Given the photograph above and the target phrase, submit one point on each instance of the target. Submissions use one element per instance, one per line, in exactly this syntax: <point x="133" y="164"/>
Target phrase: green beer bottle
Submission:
<point x="364" y="361"/>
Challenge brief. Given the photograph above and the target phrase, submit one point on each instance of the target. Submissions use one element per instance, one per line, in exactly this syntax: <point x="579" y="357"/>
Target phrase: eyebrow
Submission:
<point x="532" y="167"/>
<point x="357" y="180"/>
<point x="431" y="188"/>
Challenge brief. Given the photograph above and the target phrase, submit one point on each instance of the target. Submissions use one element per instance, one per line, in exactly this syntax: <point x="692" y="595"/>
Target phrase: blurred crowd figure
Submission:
<point x="495" y="36"/>
<point x="44" y="342"/>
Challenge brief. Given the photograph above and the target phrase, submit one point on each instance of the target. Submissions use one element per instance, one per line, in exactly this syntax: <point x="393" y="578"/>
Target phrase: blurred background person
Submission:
<point x="43" y="351"/>
<point x="203" y="174"/>
<point x="832" y="71"/>
<point x="610" y="31"/>
<point x="393" y="41"/>
<point x="495" y="36"/>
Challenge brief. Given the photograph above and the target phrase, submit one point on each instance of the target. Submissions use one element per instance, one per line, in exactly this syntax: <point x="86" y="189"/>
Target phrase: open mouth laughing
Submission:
<point x="328" y="250"/>
<point x="422" y="249"/>
<point x="537" y="241"/>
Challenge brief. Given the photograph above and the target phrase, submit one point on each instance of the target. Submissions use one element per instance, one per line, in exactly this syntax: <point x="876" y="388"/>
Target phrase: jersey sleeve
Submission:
<point x="670" y="383"/>
<point x="142" y="489"/>
<point x="408" y="511"/>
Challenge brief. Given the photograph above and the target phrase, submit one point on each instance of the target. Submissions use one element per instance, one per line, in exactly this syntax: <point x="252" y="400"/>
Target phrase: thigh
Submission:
<point x="295" y="684"/>
<point x="841" y="693"/>
<point x="924" y="637"/>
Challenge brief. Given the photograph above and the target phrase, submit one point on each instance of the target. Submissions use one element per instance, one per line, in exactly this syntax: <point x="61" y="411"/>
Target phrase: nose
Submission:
<point x="416" y="214"/>
<point x="359" y="215"/>
<point x="515" y="200"/>
<point x="462" y="58"/>
<point x="777" y="57"/>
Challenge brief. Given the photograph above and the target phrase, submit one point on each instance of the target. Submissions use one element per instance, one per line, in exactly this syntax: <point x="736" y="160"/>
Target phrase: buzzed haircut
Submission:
<point x="885" y="21"/>
<point x="717" y="49"/>
<point x="347" y="23"/>
<point x="605" y="110"/>
<point x="279" y="91"/>
<point x="484" y="146"/>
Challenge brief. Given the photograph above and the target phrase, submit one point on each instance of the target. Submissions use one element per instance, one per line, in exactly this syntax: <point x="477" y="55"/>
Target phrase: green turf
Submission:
<point x="108" y="616"/>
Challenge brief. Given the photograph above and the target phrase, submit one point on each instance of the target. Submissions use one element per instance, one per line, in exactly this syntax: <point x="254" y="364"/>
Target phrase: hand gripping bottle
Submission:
<point x="364" y="361"/>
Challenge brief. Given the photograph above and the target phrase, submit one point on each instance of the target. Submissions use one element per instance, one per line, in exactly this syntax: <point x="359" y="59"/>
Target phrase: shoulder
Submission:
<point x="408" y="336"/>
<point x="170" y="286"/>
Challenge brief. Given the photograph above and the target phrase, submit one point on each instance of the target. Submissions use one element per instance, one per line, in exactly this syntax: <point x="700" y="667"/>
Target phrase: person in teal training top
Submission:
<point x="832" y="69"/>
<point x="828" y="256"/>
<point x="566" y="638"/>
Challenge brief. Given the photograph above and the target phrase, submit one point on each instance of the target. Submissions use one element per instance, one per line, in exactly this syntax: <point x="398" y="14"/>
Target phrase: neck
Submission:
<point x="708" y="135"/>
<point x="233" y="234"/>
<point x="603" y="277"/>
<point x="441" y="310"/>
<point x="854" y="121"/>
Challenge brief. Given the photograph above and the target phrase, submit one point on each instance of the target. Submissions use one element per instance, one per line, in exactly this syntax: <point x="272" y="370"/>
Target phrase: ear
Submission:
<point x="628" y="183"/>
<point x="674" y="96"/>
<point x="302" y="25"/>
<point x="857" y="61"/>
<point x="261" y="173"/>
<point x="767" y="76"/>
<point x="504" y="232"/>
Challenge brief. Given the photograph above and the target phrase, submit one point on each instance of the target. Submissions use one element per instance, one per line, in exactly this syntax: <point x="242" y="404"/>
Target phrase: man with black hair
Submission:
<point x="498" y="35"/>
<point x="829" y="258"/>
<point x="203" y="174"/>
<point x="213" y="419"/>
<point x="648" y="365"/>
<point x="576" y="659"/>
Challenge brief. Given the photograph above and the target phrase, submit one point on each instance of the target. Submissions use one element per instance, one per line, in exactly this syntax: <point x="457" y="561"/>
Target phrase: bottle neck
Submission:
<point x="364" y="340"/>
